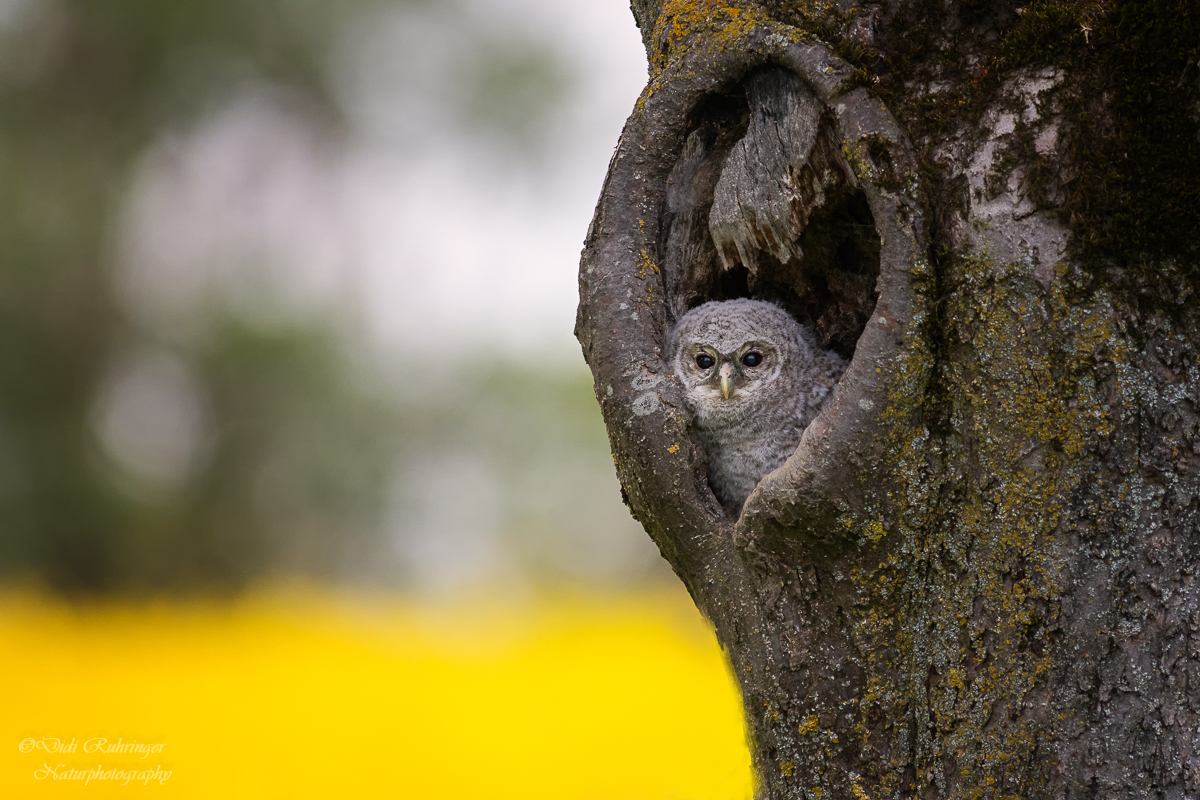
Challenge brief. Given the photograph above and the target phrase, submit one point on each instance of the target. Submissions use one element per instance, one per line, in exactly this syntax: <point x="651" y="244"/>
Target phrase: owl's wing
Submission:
<point x="826" y="371"/>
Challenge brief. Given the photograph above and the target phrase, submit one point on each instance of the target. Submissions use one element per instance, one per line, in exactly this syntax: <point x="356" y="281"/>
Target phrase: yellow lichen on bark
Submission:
<point x="718" y="21"/>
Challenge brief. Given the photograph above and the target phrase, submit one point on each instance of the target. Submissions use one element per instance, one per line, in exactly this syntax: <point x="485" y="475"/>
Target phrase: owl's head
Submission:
<point x="736" y="357"/>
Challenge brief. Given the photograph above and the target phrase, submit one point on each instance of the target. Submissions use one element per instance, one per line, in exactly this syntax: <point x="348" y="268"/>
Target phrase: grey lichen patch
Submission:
<point x="646" y="403"/>
<point x="643" y="378"/>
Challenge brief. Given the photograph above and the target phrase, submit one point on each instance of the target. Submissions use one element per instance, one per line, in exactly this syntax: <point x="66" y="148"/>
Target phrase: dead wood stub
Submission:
<point x="761" y="203"/>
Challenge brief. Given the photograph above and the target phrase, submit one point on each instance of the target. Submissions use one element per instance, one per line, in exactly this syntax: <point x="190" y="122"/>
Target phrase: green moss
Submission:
<point x="1134" y="196"/>
<point x="1048" y="30"/>
<point x="1020" y="363"/>
<point x="954" y="616"/>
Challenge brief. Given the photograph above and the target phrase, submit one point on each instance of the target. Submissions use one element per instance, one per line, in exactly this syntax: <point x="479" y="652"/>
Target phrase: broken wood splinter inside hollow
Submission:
<point x="763" y="204"/>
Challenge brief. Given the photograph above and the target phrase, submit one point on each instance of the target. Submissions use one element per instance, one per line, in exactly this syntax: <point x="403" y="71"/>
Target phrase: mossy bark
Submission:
<point x="976" y="576"/>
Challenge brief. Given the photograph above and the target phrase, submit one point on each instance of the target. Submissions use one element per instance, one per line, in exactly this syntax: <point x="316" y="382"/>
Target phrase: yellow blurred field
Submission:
<point x="297" y="694"/>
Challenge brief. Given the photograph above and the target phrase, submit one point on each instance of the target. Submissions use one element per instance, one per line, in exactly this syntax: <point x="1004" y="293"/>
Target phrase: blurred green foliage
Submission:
<point x="84" y="86"/>
<point x="276" y="451"/>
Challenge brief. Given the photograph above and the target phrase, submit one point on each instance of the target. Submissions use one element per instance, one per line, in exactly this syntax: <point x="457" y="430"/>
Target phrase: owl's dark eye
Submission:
<point x="705" y="361"/>
<point x="752" y="359"/>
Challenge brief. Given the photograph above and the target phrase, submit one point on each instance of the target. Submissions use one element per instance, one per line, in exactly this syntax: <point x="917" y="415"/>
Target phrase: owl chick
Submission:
<point x="753" y="379"/>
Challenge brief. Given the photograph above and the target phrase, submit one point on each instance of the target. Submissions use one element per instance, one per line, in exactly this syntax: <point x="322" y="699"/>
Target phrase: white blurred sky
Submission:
<point x="433" y="234"/>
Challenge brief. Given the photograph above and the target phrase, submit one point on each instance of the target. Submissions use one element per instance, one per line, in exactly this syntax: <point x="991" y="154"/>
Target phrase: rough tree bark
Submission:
<point x="976" y="575"/>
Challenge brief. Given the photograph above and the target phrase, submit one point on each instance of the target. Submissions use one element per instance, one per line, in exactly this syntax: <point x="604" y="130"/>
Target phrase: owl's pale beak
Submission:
<point x="727" y="379"/>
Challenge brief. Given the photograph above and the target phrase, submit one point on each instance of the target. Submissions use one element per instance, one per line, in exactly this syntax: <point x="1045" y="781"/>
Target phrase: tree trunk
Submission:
<point x="975" y="576"/>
